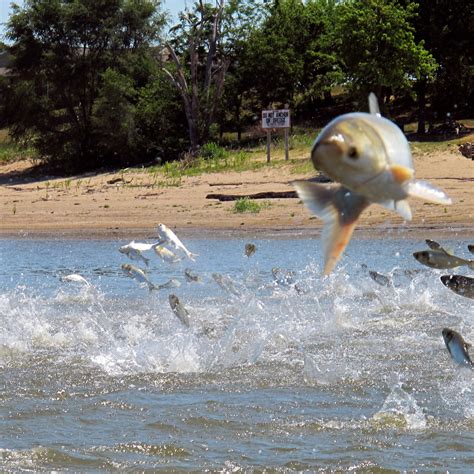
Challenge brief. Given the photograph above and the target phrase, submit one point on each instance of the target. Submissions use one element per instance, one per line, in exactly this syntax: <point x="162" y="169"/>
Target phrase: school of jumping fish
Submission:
<point x="369" y="159"/>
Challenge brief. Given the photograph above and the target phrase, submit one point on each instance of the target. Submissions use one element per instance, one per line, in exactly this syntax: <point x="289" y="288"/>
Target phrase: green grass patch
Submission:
<point x="245" y="204"/>
<point x="222" y="161"/>
<point x="439" y="146"/>
<point x="11" y="151"/>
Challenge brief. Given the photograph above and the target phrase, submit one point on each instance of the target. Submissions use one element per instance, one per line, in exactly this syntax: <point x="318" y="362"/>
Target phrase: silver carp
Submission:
<point x="179" y="310"/>
<point x="441" y="259"/>
<point x="459" y="284"/>
<point x="371" y="159"/>
<point x="457" y="347"/>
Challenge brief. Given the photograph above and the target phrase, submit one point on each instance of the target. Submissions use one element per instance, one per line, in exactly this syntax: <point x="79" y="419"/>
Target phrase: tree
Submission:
<point x="375" y="41"/>
<point x="201" y="52"/>
<point x="447" y="29"/>
<point x="287" y="57"/>
<point x="77" y="69"/>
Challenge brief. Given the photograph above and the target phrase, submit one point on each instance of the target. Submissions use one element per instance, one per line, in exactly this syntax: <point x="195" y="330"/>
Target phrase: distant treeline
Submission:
<point x="112" y="83"/>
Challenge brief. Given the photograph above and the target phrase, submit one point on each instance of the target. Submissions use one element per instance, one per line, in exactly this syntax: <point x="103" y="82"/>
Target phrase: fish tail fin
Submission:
<point x="427" y="192"/>
<point x="191" y="255"/>
<point x="339" y="208"/>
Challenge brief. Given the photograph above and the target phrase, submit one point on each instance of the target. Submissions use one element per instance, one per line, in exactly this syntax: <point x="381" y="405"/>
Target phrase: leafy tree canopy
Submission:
<point x="376" y="43"/>
<point x="77" y="68"/>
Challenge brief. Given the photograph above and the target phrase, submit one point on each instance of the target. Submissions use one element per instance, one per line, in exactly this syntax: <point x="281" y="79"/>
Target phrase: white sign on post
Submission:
<point x="276" y="118"/>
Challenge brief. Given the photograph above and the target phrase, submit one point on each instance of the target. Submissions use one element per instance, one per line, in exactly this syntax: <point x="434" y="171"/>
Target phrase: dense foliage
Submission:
<point x="96" y="83"/>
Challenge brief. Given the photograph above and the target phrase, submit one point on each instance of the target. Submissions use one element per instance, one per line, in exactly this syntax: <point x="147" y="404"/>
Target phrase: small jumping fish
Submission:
<point x="460" y="284"/>
<point x="173" y="283"/>
<point x="165" y="254"/>
<point x="179" y="310"/>
<point x="167" y="235"/>
<point x="382" y="280"/>
<point x="441" y="259"/>
<point x="138" y="274"/>
<point x="76" y="278"/>
<point x="250" y="249"/>
<point x="457" y="347"/>
<point x="134" y="250"/>
<point x="190" y="276"/>
<point x="371" y="159"/>
<point x="226" y="283"/>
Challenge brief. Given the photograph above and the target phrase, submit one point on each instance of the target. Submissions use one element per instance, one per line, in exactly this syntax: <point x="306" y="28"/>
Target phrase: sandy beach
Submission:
<point x="131" y="203"/>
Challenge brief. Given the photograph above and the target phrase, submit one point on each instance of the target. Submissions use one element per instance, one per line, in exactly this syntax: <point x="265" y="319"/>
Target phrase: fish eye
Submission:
<point x="352" y="153"/>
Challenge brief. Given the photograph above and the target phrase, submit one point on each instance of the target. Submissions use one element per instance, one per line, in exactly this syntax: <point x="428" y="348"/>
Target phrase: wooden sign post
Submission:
<point x="276" y="119"/>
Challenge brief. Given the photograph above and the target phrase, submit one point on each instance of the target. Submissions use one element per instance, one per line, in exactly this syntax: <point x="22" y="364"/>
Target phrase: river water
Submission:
<point x="281" y="372"/>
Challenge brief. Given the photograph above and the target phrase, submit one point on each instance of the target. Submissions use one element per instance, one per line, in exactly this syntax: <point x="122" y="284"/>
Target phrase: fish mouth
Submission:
<point x="446" y="279"/>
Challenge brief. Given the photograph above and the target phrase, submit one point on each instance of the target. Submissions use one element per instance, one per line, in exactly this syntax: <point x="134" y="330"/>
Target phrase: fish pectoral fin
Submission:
<point x="426" y="191"/>
<point x="339" y="208"/>
<point x="401" y="174"/>
<point x="402" y="207"/>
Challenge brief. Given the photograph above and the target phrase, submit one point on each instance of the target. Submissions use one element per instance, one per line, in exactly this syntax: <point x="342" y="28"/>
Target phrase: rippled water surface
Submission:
<point x="296" y="372"/>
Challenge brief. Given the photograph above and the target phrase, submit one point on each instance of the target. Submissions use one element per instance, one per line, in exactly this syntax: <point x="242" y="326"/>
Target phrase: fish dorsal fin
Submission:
<point x="427" y="192"/>
<point x="374" y="105"/>
<point x="339" y="208"/>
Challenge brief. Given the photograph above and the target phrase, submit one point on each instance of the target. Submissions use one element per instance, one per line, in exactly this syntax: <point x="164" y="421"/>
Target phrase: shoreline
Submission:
<point x="393" y="232"/>
<point x="129" y="204"/>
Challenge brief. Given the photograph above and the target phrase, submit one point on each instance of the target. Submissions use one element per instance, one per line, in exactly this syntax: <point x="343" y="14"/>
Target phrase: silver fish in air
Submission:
<point x="167" y="235"/>
<point x="179" y="310"/>
<point x="457" y="347"/>
<point x="250" y="249"/>
<point x="165" y="254"/>
<point x="382" y="280"/>
<point x="76" y="278"/>
<point x="441" y="259"/>
<point x="172" y="283"/>
<point x="460" y="284"/>
<point x="191" y="276"/>
<point x="139" y="275"/>
<point x="226" y="283"/>
<point x="134" y="250"/>
<point x="371" y="159"/>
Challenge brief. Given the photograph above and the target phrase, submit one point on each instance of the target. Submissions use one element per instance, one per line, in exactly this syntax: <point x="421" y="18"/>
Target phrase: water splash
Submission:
<point x="400" y="410"/>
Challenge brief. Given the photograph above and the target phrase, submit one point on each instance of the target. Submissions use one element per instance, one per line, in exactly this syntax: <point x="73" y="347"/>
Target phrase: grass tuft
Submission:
<point x="245" y="204"/>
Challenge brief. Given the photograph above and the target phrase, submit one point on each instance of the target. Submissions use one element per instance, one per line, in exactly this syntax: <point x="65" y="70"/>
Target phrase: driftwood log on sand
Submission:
<point x="467" y="150"/>
<point x="265" y="195"/>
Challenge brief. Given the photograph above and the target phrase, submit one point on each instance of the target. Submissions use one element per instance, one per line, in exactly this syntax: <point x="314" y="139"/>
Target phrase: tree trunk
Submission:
<point x="421" y="92"/>
<point x="237" y="118"/>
